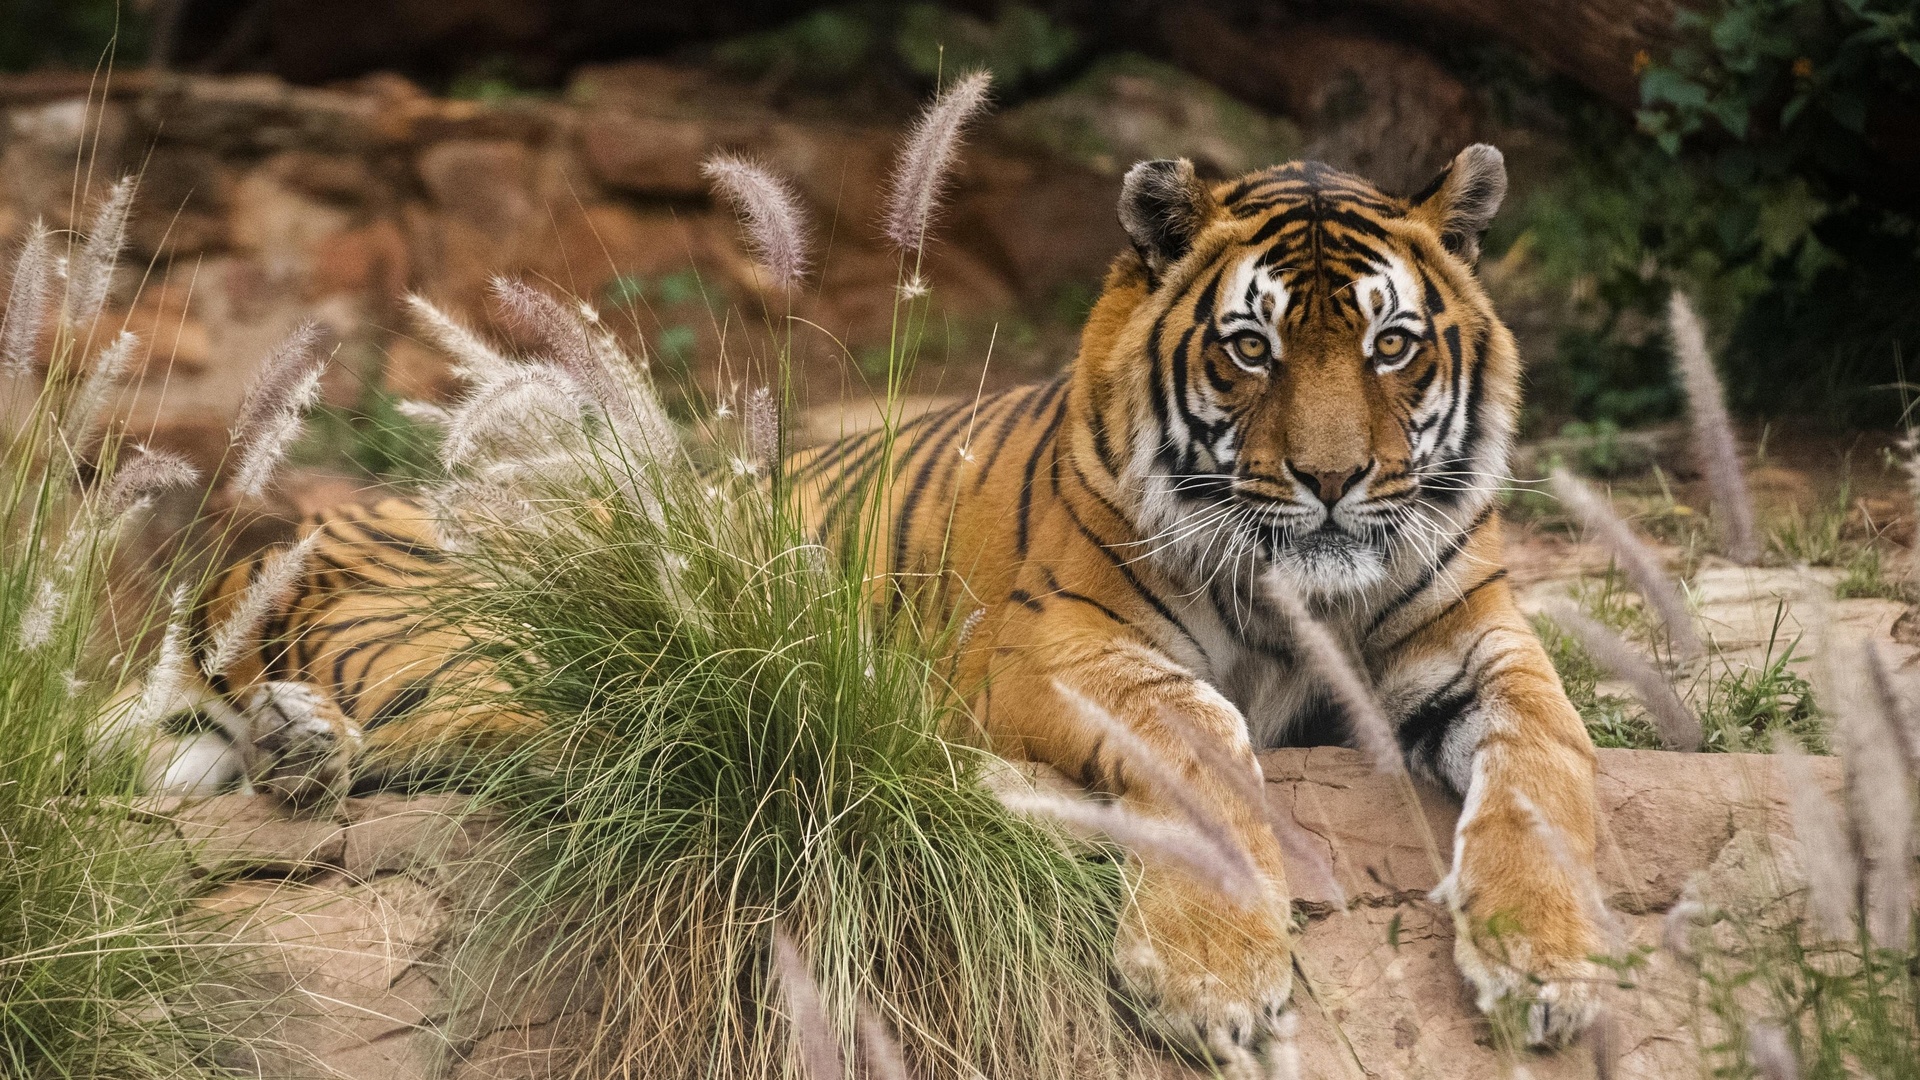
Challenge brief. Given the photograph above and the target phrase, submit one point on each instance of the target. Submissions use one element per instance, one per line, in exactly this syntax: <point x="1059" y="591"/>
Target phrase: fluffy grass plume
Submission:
<point x="1715" y="447"/>
<point x="273" y="583"/>
<point x="923" y="169"/>
<point x="98" y="966"/>
<point x="1833" y="875"/>
<point x="730" y="739"/>
<point x="86" y="413"/>
<point x="1879" y="792"/>
<point x="274" y="409"/>
<point x="1300" y="849"/>
<point x="769" y="210"/>
<point x="26" y="312"/>
<point x="1637" y="561"/>
<point x="90" y="273"/>
<point x="819" y="1047"/>
<point x="1679" y="729"/>
<point x="474" y="360"/>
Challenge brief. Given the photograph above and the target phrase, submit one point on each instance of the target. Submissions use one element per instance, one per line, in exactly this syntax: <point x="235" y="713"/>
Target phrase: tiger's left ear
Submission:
<point x="1163" y="207"/>
<point x="1461" y="201"/>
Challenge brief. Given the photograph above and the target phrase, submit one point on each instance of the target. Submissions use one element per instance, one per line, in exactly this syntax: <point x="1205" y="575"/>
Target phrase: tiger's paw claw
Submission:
<point x="1554" y="1000"/>
<point x="1237" y="1014"/>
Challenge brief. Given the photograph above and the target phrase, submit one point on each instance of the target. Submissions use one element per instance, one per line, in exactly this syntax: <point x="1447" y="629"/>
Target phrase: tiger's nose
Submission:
<point x="1330" y="485"/>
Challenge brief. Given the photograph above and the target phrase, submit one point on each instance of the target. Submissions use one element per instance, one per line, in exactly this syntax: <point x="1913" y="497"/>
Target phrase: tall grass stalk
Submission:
<point x="731" y="738"/>
<point x="100" y="973"/>
<point x="1716" y="447"/>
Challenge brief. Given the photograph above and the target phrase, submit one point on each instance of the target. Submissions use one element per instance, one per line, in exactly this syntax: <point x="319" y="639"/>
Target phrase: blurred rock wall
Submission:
<point x="263" y="204"/>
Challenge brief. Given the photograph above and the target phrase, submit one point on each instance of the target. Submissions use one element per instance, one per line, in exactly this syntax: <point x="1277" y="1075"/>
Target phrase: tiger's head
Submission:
<point x="1311" y="382"/>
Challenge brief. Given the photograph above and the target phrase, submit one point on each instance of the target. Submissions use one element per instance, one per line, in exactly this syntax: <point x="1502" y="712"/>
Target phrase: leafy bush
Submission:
<point x="1760" y="174"/>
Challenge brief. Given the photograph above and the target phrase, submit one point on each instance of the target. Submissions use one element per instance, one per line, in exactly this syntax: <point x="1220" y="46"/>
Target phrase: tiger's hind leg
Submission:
<point x="298" y="744"/>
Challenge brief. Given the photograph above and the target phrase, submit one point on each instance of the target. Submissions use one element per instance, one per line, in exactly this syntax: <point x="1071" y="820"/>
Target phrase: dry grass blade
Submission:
<point x="1832" y="875"/>
<point x="1636" y="560"/>
<point x="1770" y="1052"/>
<point x="91" y="278"/>
<point x="1139" y="759"/>
<point x="1178" y="847"/>
<point x="921" y="173"/>
<point x="770" y="211"/>
<point x="272" y="586"/>
<point x="27" y="302"/>
<point x="881" y="1049"/>
<point x="1714" y="444"/>
<point x="807" y="1013"/>
<point x="1879" y="794"/>
<point x="1336" y="669"/>
<point x="1298" y="848"/>
<point x="1679" y="728"/>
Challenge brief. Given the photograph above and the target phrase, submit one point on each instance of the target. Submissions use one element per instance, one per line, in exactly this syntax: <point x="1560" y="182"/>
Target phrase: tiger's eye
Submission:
<point x="1390" y="345"/>
<point x="1252" y="348"/>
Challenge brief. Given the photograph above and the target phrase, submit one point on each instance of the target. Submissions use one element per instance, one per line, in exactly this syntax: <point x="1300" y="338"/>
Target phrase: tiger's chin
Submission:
<point x="1327" y="563"/>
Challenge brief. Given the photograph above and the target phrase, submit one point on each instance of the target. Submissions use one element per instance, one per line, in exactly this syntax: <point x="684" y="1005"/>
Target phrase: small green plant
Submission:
<point x="375" y="439"/>
<point x="1741" y="707"/>
<point x="1020" y="44"/>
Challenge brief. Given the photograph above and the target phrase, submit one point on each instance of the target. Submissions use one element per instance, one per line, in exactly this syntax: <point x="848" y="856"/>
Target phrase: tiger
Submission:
<point x="1291" y="383"/>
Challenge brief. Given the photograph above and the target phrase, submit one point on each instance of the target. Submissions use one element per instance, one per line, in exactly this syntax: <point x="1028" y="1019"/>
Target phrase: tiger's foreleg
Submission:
<point x="1487" y="716"/>
<point x="1213" y="971"/>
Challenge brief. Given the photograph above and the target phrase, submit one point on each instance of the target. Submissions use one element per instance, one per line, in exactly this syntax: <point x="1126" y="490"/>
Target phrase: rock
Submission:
<point x="390" y="834"/>
<point x="1377" y="992"/>
<point x="231" y="835"/>
<point x="340" y="971"/>
<point x="647" y="155"/>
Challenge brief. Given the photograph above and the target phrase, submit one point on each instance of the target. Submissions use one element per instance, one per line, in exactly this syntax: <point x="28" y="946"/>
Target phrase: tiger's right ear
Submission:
<point x="1163" y="207"/>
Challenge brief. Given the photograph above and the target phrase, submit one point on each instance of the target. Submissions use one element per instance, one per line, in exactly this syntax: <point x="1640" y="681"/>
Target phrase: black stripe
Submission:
<point x="1040" y="446"/>
<point x="1427" y="575"/>
<point x="1127" y="573"/>
<point x="1444" y="612"/>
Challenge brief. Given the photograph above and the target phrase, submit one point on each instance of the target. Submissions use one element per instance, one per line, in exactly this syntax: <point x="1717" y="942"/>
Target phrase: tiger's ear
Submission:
<point x="1461" y="201"/>
<point x="1163" y="207"/>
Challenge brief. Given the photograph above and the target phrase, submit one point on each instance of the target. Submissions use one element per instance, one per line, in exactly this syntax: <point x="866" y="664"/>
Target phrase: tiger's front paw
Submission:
<point x="1534" y="964"/>
<point x="1211" y="978"/>
<point x="301" y="744"/>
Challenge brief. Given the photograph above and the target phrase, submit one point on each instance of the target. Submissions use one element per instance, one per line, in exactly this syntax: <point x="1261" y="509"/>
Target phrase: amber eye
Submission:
<point x="1394" y="348"/>
<point x="1252" y="348"/>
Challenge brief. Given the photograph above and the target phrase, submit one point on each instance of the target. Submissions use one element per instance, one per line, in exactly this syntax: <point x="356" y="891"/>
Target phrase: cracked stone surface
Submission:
<point x="346" y="913"/>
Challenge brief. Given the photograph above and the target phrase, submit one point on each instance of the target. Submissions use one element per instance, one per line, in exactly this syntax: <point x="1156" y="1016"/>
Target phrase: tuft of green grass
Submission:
<point x="100" y="966"/>
<point x="1741" y="708"/>
<point x="733" y="734"/>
